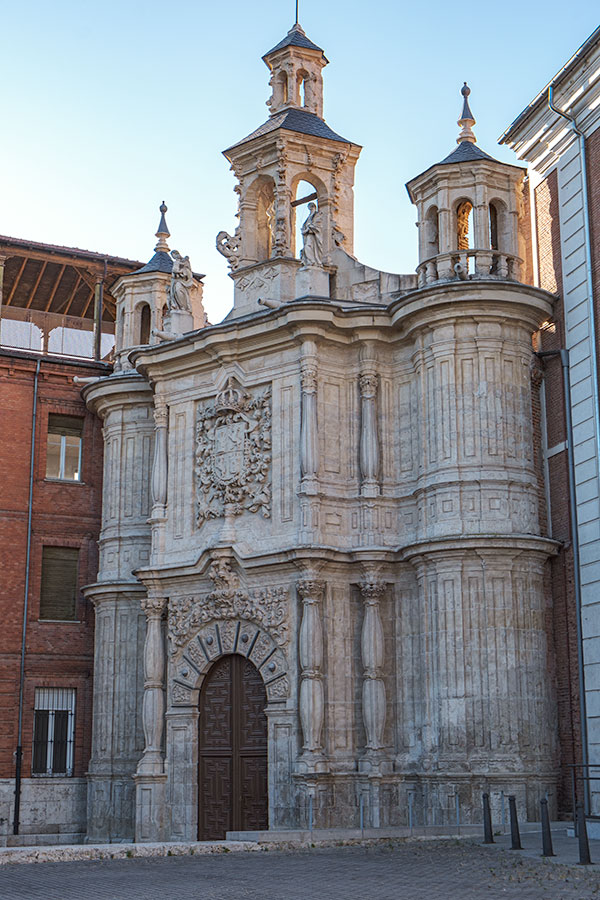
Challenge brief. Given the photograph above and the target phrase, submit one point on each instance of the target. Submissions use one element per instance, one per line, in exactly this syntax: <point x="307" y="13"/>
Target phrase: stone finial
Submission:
<point x="466" y="120"/>
<point x="163" y="232"/>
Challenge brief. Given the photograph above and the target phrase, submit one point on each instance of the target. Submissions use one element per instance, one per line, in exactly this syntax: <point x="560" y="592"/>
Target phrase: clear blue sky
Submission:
<point x="109" y="108"/>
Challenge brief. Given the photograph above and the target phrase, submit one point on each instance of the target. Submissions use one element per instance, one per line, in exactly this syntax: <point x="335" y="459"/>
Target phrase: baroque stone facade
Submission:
<point x="337" y="483"/>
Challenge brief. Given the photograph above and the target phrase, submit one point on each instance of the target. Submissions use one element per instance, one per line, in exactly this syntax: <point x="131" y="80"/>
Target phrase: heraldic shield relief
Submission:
<point x="233" y="454"/>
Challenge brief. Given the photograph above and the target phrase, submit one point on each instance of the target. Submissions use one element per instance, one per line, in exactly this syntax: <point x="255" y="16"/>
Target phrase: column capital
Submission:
<point x="311" y="590"/>
<point x="161" y="412"/>
<point x="368" y="385"/>
<point x="153" y="606"/>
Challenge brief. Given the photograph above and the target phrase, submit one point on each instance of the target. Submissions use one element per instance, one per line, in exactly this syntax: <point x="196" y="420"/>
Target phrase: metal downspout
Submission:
<point x="19" y="750"/>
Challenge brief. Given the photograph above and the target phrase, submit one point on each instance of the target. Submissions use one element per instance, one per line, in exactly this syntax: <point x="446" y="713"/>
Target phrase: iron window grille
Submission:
<point x="53" y="731"/>
<point x="63" y="450"/>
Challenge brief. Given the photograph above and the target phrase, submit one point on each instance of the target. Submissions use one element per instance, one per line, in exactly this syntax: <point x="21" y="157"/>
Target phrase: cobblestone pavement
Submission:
<point x="399" y="871"/>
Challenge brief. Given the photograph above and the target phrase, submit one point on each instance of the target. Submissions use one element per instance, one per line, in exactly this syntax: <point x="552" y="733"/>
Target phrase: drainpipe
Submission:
<point x="564" y="359"/>
<point x="19" y="750"/>
<point x="593" y="359"/>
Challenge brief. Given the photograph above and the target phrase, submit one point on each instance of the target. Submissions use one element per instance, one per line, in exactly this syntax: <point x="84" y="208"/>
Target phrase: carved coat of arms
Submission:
<point x="233" y="454"/>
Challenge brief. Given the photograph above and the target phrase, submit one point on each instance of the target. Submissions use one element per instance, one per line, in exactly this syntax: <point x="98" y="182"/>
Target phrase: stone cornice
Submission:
<point x="344" y="324"/>
<point x="123" y="390"/>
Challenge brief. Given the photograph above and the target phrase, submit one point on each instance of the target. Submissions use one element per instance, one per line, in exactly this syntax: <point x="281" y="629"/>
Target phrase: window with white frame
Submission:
<point x="53" y="731"/>
<point x="63" y="451"/>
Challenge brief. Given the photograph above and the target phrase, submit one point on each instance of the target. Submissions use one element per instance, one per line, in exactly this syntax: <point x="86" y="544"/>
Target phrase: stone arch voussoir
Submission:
<point x="222" y="637"/>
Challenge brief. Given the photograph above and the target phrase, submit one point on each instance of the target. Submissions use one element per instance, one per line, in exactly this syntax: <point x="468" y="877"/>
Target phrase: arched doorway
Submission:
<point x="232" y="750"/>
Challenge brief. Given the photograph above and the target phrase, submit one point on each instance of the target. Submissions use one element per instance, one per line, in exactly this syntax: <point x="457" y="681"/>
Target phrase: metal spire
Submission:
<point x="466" y="120"/>
<point x="296" y="22"/>
<point x="163" y="232"/>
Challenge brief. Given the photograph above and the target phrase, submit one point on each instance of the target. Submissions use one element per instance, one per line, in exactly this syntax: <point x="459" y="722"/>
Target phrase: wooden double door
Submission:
<point x="232" y="758"/>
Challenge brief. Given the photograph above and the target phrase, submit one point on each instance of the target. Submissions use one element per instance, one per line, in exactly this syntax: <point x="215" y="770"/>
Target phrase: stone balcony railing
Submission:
<point x="462" y="265"/>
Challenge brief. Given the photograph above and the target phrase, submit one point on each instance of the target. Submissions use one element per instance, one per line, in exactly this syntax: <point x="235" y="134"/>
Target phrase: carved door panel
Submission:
<point x="232" y="777"/>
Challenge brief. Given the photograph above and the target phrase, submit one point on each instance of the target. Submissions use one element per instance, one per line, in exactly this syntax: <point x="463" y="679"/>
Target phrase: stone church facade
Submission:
<point x="322" y="580"/>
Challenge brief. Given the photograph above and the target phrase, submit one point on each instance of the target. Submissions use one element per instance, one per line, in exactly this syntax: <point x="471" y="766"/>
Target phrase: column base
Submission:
<point x="150" y="793"/>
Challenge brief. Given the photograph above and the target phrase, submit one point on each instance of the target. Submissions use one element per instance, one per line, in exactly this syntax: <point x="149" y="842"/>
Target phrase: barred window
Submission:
<point x="58" y="599"/>
<point x="53" y="731"/>
<point x="63" y="451"/>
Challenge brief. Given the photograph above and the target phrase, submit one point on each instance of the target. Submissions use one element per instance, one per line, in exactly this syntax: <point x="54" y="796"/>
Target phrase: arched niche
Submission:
<point x="304" y="185"/>
<point x="260" y="205"/>
<point x="143" y="319"/>
<point x="463" y="221"/>
<point x="499" y="238"/>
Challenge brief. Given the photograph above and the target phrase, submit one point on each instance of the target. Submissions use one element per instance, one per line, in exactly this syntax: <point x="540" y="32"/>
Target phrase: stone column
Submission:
<point x="309" y="441"/>
<point x="311" y="661"/>
<point x="160" y="469"/>
<point x="372" y="649"/>
<point x="150" y="778"/>
<point x="160" y="463"/>
<point x="369" y="441"/>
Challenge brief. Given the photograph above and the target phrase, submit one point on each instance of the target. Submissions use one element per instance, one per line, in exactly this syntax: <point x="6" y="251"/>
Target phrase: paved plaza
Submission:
<point x="439" y="870"/>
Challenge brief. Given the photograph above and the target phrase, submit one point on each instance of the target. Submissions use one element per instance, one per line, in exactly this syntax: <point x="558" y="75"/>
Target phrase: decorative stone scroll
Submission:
<point x="230" y="246"/>
<point x="268" y="607"/>
<point x="233" y="454"/>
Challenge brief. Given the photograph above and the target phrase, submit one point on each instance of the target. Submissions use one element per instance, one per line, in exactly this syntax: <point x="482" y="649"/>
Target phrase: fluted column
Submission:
<point x="309" y="440"/>
<point x="372" y="649"/>
<point x="311" y="661"/>
<point x="369" y="441"/>
<point x="153" y="708"/>
<point x="160" y="463"/>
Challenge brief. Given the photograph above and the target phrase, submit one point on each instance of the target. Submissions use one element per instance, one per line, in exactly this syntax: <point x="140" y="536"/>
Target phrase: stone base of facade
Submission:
<point x="53" y="811"/>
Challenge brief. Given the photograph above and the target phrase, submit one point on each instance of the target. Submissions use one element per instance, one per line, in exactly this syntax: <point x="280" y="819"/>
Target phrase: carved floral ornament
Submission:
<point x="267" y="607"/>
<point x="233" y="454"/>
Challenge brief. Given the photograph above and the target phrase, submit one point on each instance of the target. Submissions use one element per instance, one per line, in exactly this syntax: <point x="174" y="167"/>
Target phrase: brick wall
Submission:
<point x="563" y="622"/>
<point x="64" y="514"/>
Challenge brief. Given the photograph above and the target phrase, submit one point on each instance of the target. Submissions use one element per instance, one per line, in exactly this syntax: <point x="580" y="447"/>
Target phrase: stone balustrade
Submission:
<point x="465" y="264"/>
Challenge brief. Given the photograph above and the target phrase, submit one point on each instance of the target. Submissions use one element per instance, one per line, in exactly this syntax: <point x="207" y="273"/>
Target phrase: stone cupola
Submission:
<point x="145" y="308"/>
<point x="292" y="159"/>
<point x="296" y="80"/>
<point x="469" y="206"/>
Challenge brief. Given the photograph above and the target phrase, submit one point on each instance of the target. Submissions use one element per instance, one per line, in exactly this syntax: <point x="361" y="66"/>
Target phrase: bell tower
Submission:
<point x="469" y="206"/>
<point x="291" y="160"/>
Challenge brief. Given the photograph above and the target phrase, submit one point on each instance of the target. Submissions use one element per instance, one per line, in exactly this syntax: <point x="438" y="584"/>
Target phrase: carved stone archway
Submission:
<point x="220" y="638"/>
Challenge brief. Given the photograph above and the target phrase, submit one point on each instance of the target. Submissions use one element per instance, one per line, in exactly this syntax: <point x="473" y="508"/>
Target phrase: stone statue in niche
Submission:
<point x="182" y="280"/>
<point x="230" y="246"/>
<point x="312" y="235"/>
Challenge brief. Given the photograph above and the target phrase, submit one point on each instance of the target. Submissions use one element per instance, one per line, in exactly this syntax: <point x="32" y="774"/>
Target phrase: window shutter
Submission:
<point x="65" y="425"/>
<point x="59" y="583"/>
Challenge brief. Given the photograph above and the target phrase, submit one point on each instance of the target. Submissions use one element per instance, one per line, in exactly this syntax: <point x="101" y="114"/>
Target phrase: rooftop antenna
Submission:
<point x="296" y="22"/>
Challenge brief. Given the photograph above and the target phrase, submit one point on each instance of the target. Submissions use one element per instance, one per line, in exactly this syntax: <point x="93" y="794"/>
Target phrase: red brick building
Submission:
<point x="50" y="507"/>
<point x="558" y="134"/>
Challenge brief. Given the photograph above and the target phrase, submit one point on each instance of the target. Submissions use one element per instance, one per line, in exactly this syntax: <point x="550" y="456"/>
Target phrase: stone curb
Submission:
<point x="79" y="852"/>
